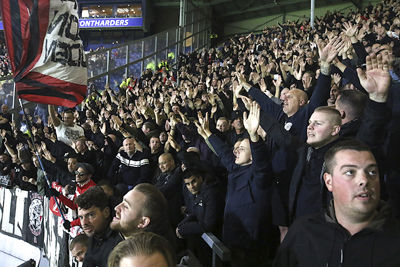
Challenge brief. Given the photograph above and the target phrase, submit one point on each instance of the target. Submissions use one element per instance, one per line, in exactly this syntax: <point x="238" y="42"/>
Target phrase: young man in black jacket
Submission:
<point x="357" y="229"/>
<point x="205" y="206"/>
<point x="95" y="216"/>
<point x="247" y="228"/>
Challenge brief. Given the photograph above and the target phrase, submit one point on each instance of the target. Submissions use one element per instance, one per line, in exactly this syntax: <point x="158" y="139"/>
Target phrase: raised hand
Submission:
<point x="242" y="81"/>
<point x="328" y="53"/>
<point x="173" y="143"/>
<point x="202" y="125"/>
<point x="246" y="101"/>
<point x="349" y="29"/>
<point x="278" y="81"/>
<point x="252" y="122"/>
<point x="376" y="79"/>
<point x="336" y="78"/>
<point x="116" y="120"/>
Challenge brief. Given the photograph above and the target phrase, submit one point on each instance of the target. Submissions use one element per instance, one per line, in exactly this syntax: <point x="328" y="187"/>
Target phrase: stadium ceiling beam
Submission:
<point x="165" y="3"/>
<point x="262" y="7"/>
<point x="200" y="3"/>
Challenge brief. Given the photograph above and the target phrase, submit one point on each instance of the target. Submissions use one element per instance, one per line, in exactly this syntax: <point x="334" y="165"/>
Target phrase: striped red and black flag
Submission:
<point x="46" y="53"/>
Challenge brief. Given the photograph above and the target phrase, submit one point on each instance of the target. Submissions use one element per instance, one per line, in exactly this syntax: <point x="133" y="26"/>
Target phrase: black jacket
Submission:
<point x="130" y="170"/>
<point x="205" y="211"/>
<point x="100" y="248"/>
<point x="247" y="216"/>
<point x="370" y="132"/>
<point x="170" y="184"/>
<point x="319" y="240"/>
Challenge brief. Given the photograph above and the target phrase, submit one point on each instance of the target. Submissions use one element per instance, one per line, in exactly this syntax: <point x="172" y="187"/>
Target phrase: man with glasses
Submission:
<point x="83" y="174"/>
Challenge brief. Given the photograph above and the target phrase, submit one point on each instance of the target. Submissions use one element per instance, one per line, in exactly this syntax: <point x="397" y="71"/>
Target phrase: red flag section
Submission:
<point x="46" y="53"/>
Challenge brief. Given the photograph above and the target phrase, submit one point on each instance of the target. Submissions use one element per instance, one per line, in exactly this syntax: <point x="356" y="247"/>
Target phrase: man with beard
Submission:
<point x="143" y="208"/>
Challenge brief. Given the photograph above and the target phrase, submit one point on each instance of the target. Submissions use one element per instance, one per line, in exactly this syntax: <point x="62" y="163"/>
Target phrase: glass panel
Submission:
<point x="188" y="42"/>
<point x="201" y="39"/>
<point x="116" y="77"/>
<point x="135" y="51"/>
<point x="97" y="64"/>
<point x="99" y="83"/>
<point x="171" y="36"/>
<point x="195" y="39"/>
<point x="149" y="46"/>
<point x="172" y="55"/>
<point x="135" y="70"/>
<point x="118" y="57"/>
<point x="161" y="40"/>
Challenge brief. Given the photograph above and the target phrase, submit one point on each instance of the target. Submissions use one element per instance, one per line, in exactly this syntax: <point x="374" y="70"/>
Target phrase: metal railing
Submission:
<point x="110" y="66"/>
<point x="221" y="255"/>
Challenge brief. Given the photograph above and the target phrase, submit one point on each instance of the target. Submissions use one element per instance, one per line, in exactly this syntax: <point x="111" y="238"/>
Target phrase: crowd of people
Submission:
<point x="283" y="144"/>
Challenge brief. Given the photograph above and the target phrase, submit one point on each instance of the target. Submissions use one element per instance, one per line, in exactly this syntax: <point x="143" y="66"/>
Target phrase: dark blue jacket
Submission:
<point x="170" y="184"/>
<point x="247" y="216"/>
<point x="296" y="124"/>
<point x="205" y="211"/>
<point x="370" y="132"/>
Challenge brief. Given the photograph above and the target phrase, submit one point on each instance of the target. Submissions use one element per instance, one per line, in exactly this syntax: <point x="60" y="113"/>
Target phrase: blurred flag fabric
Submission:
<point x="46" y="53"/>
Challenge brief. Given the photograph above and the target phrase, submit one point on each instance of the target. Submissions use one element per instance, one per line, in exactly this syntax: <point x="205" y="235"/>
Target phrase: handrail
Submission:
<point x="218" y="248"/>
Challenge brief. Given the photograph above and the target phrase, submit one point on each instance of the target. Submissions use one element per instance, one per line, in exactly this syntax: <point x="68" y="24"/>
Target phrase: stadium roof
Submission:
<point x="237" y="10"/>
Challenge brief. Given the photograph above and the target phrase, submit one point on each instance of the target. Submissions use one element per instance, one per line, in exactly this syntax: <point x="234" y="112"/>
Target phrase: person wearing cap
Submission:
<point x="83" y="175"/>
<point x="26" y="177"/>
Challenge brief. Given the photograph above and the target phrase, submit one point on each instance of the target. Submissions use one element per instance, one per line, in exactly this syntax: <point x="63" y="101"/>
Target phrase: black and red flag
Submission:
<point x="46" y="53"/>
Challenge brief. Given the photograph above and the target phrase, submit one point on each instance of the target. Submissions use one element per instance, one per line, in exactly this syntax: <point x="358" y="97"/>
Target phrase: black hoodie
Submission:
<point x="319" y="240"/>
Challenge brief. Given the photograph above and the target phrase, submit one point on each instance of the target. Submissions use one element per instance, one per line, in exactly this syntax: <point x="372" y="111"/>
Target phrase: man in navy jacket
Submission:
<point x="247" y="220"/>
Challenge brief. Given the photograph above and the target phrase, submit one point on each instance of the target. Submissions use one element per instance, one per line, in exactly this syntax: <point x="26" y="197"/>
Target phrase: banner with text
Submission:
<point x="26" y="216"/>
<point x="45" y="50"/>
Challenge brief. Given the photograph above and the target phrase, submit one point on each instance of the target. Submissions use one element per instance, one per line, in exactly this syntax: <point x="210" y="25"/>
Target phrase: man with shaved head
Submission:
<point x="130" y="167"/>
<point x="295" y="111"/>
<point x="169" y="182"/>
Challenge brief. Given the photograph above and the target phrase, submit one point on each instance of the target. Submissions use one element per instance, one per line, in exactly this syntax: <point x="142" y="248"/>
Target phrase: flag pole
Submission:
<point x="28" y="124"/>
